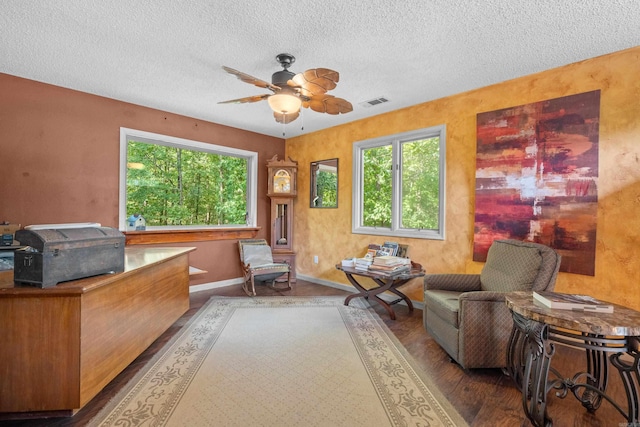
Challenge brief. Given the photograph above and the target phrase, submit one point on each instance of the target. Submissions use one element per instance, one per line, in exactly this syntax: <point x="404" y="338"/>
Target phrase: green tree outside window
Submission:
<point x="178" y="186"/>
<point x="399" y="184"/>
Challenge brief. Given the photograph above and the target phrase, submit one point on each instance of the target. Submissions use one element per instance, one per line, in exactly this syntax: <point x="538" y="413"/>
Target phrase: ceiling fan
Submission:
<point x="291" y="91"/>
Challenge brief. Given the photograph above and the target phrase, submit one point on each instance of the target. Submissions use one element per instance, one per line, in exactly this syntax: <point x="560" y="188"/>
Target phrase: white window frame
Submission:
<point x="358" y="184"/>
<point x="251" y="157"/>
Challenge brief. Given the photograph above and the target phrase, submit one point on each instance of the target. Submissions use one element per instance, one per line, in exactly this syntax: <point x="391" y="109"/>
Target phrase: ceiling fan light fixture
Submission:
<point x="291" y="91"/>
<point x="284" y="103"/>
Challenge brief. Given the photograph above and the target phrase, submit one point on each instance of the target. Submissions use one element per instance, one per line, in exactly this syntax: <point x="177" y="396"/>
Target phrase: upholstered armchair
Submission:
<point x="466" y="313"/>
<point x="257" y="264"/>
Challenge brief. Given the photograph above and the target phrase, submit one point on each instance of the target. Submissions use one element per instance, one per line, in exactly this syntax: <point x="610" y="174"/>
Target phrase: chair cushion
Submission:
<point x="270" y="268"/>
<point x="445" y="304"/>
<point x="255" y="255"/>
<point x="510" y="267"/>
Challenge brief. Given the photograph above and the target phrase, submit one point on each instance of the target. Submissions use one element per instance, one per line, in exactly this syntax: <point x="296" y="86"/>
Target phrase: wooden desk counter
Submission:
<point x="61" y="346"/>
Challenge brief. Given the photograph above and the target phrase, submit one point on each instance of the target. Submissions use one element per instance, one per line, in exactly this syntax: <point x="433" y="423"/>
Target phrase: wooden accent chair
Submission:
<point x="258" y="266"/>
<point x="466" y="313"/>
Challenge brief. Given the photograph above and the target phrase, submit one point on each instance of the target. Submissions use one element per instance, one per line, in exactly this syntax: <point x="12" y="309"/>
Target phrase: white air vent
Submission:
<point x="375" y="101"/>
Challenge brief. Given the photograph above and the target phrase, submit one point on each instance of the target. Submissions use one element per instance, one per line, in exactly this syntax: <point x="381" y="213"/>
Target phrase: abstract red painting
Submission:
<point x="537" y="178"/>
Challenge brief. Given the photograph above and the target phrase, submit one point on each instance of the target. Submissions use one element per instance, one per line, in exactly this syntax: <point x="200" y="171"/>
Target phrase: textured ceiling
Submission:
<point x="168" y="54"/>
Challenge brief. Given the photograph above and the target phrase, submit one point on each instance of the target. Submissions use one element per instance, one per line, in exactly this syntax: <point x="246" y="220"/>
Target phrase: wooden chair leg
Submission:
<point x="245" y="287"/>
<point x="253" y="287"/>
<point x="288" y="288"/>
<point x="288" y="281"/>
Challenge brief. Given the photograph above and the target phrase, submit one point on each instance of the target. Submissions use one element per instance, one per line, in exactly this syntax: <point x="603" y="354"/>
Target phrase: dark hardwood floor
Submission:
<point x="484" y="397"/>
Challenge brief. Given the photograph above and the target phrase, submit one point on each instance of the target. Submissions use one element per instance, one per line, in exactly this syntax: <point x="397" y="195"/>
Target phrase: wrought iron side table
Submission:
<point x="535" y="331"/>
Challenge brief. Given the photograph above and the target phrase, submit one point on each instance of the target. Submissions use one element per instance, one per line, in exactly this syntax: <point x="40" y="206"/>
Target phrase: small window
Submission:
<point x="399" y="185"/>
<point x="176" y="183"/>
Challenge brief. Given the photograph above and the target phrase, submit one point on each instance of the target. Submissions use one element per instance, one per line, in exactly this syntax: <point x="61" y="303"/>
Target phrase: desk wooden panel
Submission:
<point x="60" y="346"/>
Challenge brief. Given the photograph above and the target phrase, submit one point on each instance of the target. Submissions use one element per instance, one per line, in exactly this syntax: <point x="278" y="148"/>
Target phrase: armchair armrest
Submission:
<point x="452" y="282"/>
<point x="483" y="296"/>
<point x="486" y="322"/>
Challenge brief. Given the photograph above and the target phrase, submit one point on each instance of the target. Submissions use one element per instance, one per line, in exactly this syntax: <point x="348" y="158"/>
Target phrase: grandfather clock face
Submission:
<point x="282" y="181"/>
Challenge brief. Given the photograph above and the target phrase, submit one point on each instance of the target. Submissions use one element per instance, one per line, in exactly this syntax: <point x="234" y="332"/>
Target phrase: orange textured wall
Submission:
<point x="327" y="232"/>
<point x="59" y="150"/>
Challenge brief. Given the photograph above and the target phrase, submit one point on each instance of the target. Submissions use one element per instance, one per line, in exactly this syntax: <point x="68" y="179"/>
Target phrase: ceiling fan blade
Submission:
<point x="315" y="81"/>
<point x="329" y="104"/>
<point x="285" y="118"/>
<point x="254" y="98"/>
<point x="250" y="79"/>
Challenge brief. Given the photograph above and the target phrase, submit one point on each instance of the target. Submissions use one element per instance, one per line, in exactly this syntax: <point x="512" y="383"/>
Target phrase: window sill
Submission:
<point x="153" y="237"/>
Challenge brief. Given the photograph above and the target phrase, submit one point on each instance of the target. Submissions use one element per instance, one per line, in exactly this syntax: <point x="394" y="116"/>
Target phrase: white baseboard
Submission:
<point x="215" y="285"/>
<point x="328" y="283"/>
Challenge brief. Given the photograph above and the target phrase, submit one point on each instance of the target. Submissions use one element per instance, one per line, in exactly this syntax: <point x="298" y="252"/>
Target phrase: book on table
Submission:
<point x="372" y="249"/>
<point x="363" y="263"/>
<point x="392" y="246"/>
<point x="403" y="251"/>
<point x="391" y="260"/>
<point x="572" y="302"/>
<point x="349" y="262"/>
<point x="371" y="253"/>
<point x="389" y="270"/>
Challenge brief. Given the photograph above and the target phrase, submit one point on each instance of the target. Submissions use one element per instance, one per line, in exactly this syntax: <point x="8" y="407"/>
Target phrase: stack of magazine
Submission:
<point x="349" y="262"/>
<point x="572" y="302"/>
<point x="363" y="264"/>
<point x="388" y="248"/>
<point x="388" y="264"/>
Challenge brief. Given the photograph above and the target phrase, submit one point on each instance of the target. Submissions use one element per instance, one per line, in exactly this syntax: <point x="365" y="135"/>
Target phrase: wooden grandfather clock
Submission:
<point x="283" y="188"/>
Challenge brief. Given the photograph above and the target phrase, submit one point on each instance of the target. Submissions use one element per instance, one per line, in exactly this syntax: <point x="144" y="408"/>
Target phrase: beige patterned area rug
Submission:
<point x="281" y="361"/>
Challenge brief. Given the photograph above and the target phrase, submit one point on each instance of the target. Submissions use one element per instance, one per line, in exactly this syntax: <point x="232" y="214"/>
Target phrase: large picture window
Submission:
<point x="176" y="183"/>
<point x="399" y="185"/>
